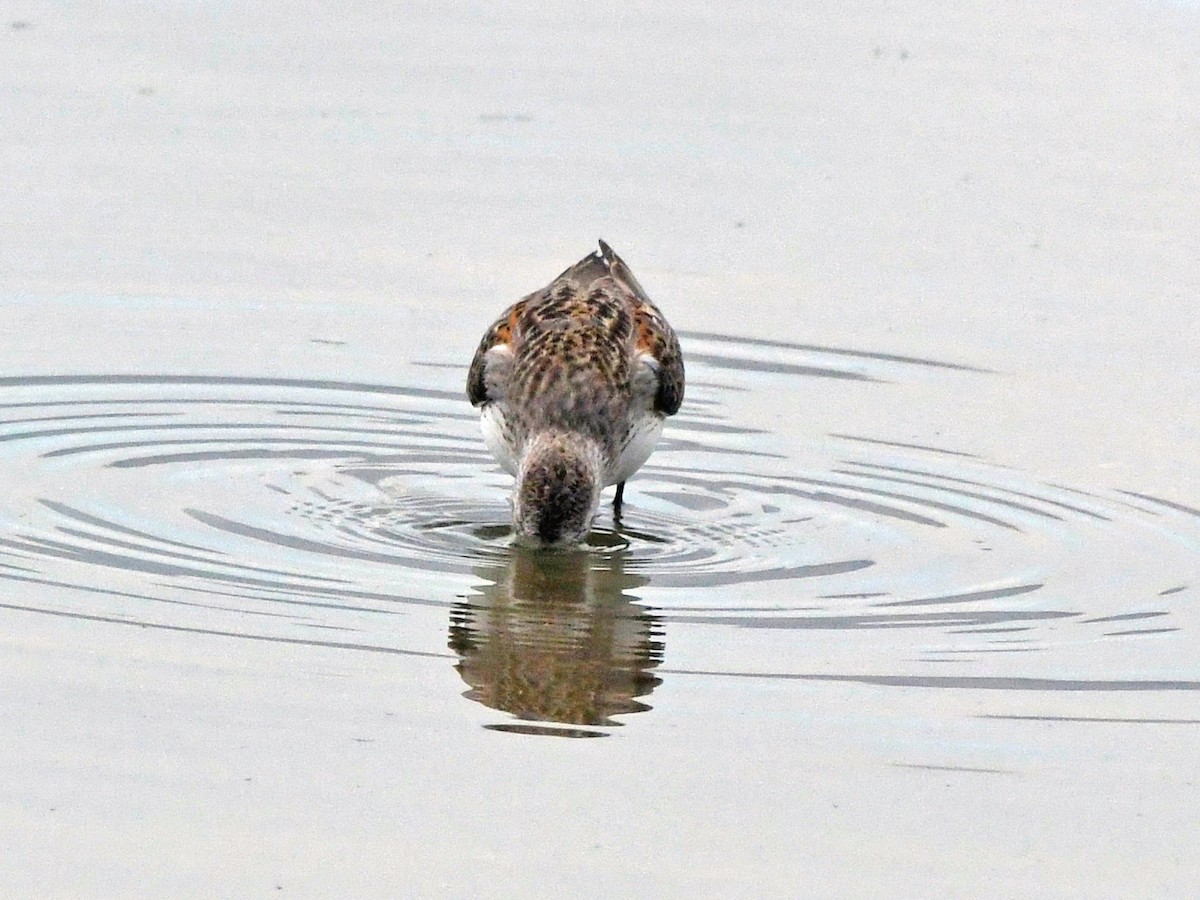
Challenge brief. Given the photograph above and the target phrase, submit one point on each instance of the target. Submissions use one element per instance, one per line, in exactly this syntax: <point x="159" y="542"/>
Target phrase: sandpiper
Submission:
<point x="573" y="383"/>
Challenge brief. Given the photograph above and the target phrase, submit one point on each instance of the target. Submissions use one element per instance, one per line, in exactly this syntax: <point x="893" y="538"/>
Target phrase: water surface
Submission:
<point x="907" y="596"/>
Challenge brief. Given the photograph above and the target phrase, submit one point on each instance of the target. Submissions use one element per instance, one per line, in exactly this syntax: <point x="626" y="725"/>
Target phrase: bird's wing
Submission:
<point x="488" y="372"/>
<point x="653" y="335"/>
<point x="657" y="339"/>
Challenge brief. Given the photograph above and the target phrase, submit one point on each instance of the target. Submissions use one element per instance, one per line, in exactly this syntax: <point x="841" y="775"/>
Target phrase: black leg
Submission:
<point x="618" y="500"/>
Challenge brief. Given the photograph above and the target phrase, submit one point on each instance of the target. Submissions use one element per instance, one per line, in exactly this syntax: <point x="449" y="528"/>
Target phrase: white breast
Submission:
<point x="644" y="432"/>
<point x="493" y="422"/>
<point x="645" y="425"/>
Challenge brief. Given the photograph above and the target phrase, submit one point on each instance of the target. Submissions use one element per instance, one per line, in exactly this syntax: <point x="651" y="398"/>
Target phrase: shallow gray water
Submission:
<point x="904" y="605"/>
<point x="369" y="517"/>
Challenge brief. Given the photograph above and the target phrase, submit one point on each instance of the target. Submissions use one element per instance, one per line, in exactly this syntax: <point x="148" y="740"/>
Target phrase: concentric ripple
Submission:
<point x="369" y="516"/>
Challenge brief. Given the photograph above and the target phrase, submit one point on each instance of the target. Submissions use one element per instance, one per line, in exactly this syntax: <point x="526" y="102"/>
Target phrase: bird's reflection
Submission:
<point x="555" y="638"/>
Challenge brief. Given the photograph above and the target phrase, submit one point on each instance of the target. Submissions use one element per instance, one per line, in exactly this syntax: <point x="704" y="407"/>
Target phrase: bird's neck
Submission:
<point x="558" y="489"/>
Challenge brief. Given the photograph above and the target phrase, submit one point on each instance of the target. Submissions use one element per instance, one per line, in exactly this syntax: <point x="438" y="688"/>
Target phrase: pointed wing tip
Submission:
<point x="612" y="262"/>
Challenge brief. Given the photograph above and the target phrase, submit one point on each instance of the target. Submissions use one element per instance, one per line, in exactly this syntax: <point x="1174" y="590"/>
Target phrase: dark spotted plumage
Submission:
<point x="584" y="370"/>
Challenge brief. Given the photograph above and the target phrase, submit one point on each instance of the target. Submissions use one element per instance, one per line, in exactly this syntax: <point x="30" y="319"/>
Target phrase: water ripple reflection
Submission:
<point x="368" y="516"/>
<point x="557" y="638"/>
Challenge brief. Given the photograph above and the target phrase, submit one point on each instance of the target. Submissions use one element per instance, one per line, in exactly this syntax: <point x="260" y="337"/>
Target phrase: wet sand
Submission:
<point x="904" y="605"/>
